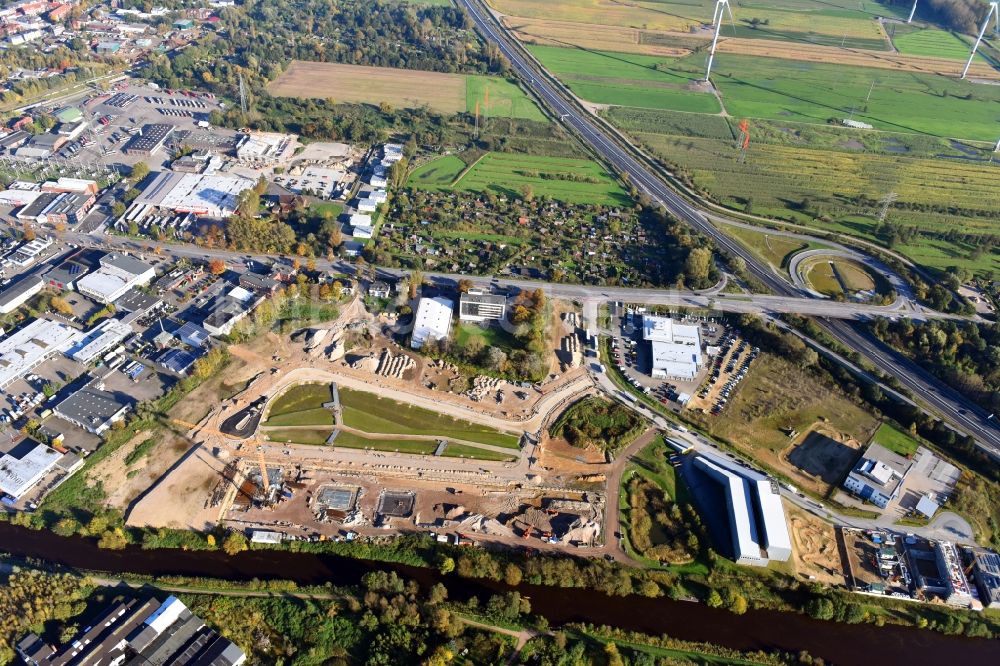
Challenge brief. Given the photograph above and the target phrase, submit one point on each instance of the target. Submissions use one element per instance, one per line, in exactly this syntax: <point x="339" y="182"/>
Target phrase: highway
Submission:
<point x="952" y="408"/>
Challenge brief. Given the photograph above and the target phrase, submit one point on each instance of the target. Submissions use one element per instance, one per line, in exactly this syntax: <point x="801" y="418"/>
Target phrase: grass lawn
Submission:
<point x="437" y="174"/>
<point x="775" y="249"/>
<point x="315" y="437"/>
<point x="494" y="336"/>
<point x="933" y="42"/>
<point x="465" y="451"/>
<point x="370" y="413"/>
<point x="319" y="210"/>
<point x="351" y="440"/>
<point x="318" y="417"/>
<point x="300" y="398"/>
<point x="506" y="99"/>
<point x="820" y="276"/>
<point x="895" y="440"/>
<point x="625" y="79"/>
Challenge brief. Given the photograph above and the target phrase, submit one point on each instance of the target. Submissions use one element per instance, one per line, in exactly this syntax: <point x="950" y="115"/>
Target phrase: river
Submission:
<point x="836" y="643"/>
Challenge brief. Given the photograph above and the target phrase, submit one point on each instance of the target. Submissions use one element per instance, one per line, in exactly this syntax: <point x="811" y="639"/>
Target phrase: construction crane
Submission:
<point x="253" y="439"/>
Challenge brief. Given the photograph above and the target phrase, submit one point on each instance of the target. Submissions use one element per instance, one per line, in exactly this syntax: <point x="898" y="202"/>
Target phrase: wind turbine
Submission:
<point x="912" y="11"/>
<point x="717" y="20"/>
<point x="993" y="13"/>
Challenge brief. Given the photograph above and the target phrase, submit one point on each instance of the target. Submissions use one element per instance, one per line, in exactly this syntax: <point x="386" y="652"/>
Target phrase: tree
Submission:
<point x="820" y="608"/>
<point x="234" y="543"/>
<point x="446" y="565"/>
<point x="714" y="599"/>
<point x="139" y="171"/>
<point x="217" y="266"/>
<point x="698" y="265"/>
<point x="61" y="305"/>
<point x="464" y="285"/>
<point x="496" y="359"/>
<point x="512" y="574"/>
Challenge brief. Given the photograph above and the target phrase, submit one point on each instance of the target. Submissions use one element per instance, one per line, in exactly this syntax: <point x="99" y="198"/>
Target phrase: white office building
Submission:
<point x="19" y="475"/>
<point x="432" y="322"/>
<point x="100" y="339"/>
<point x="675" y="347"/>
<point x="118" y="274"/>
<point x="878" y="476"/>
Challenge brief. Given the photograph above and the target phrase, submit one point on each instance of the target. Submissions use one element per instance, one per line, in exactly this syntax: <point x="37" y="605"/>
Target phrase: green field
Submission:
<point x="351" y="440"/>
<point x="465" y="451"/>
<point x="300" y="398"/>
<point x="932" y="42"/>
<point x="493" y="336"/>
<point x="505" y="99"/>
<point x="895" y="440"/>
<point x="317" y="416"/>
<point x="624" y="79"/>
<point x="560" y="178"/>
<point x="370" y="413"/>
<point x="300" y="436"/>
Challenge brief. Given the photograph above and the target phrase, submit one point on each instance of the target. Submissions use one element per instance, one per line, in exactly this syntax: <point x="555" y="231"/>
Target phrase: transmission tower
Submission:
<point x="717" y="22"/>
<point x="886" y="202"/>
<point x="243" y="96"/>
<point x="993" y="13"/>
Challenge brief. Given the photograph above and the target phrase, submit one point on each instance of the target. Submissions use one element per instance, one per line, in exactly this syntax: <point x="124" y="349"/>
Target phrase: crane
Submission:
<point x="253" y="439"/>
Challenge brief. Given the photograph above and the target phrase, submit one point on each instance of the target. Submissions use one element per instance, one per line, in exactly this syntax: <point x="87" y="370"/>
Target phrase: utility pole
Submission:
<point x="912" y="11"/>
<point x="717" y="21"/>
<point x="886" y="202"/>
<point x="993" y="13"/>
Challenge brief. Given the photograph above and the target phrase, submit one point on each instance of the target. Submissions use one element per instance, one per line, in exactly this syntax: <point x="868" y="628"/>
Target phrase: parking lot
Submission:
<point x="728" y="367"/>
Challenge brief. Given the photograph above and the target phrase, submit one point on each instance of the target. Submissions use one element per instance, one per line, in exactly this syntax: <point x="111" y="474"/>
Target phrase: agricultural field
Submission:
<point x="931" y="42"/>
<point x="813" y="21"/>
<point x="625" y="79"/>
<point x="570" y="180"/>
<point x="372" y="414"/>
<point x="445" y="93"/>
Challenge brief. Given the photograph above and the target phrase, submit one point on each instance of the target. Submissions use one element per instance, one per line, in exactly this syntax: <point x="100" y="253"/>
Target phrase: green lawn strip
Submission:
<point x="301" y="397"/>
<point x="317" y="416"/>
<point x="352" y="440"/>
<point x="895" y="440"/>
<point x="465" y="451"/>
<point x="300" y="435"/>
<point x="934" y="43"/>
<point x="491" y="337"/>
<point x="370" y="413"/>
<point x="321" y="209"/>
<point x="506" y="99"/>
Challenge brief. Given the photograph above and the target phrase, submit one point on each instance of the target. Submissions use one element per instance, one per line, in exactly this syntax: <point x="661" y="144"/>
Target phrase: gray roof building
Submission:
<point x="93" y="409"/>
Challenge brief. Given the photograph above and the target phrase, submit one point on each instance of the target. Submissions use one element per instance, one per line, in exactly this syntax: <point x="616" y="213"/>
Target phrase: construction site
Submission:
<point x="341" y="433"/>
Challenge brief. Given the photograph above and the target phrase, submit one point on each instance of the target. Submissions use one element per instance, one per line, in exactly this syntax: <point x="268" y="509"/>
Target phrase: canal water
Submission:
<point x="836" y="643"/>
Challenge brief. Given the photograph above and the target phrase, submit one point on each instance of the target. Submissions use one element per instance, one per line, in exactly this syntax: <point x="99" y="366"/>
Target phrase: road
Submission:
<point x="929" y="391"/>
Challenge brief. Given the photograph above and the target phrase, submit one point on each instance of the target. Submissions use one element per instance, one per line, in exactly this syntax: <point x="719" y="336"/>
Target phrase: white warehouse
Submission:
<point x="676" y="347"/>
<point x="26" y="348"/>
<point x="757" y="523"/>
<point x="118" y="274"/>
<point x="432" y="322"/>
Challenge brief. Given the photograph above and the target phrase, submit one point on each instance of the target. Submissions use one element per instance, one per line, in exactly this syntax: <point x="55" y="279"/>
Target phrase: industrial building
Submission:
<point x="55" y="208"/>
<point x="149" y="140"/>
<point x="675" y="347"/>
<point x="92" y="408"/>
<point x="99" y="340"/>
<point x="19" y="293"/>
<point x="24" y="466"/>
<point x="757" y="525"/>
<point x="986" y="573"/>
<point x="131" y="632"/>
<point x="29" y="346"/>
<point x="26" y="255"/>
<point x="479" y="305"/>
<point x="214" y="196"/>
<point x="118" y="274"/>
<point x="878" y="476"/>
<point x="228" y="309"/>
<point x="432" y="322"/>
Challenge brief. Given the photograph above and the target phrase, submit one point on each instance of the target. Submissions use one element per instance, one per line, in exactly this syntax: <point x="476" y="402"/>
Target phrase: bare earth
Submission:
<point x="371" y="85"/>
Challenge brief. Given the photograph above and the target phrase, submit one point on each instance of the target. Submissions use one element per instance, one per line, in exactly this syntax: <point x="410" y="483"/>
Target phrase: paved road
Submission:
<point x="929" y="391"/>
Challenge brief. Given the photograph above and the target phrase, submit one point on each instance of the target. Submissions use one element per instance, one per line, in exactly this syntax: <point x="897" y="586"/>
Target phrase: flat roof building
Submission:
<point x="986" y="573"/>
<point x="99" y="340"/>
<point x="118" y="274"/>
<point x="21" y="470"/>
<point x="53" y="207"/>
<point x="214" y="196"/>
<point x="93" y="409"/>
<point x="479" y="306"/>
<point x="757" y="525"/>
<point x="26" y="348"/>
<point x="878" y="476"/>
<point x="131" y="632"/>
<point x="432" y="321"/>
<point x="149" y="141"/>
<point x="676" y="347"/>
<point x="19" y="293"/>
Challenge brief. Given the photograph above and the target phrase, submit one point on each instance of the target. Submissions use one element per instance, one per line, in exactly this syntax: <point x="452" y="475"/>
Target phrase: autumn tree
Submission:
<point x="217" y="266"/>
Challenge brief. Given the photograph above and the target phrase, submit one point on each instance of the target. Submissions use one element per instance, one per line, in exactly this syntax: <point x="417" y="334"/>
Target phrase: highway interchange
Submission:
<point x="940" y="399"/>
